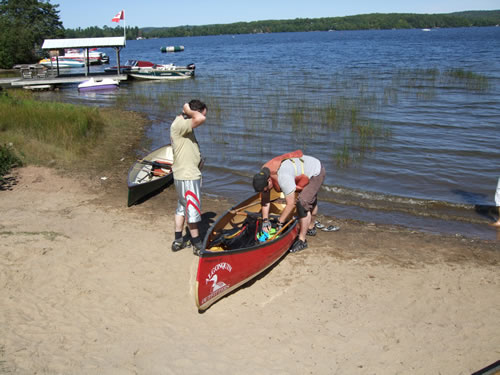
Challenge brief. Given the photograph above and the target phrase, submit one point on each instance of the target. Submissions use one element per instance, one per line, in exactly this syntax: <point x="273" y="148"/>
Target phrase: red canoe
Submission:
<point x="232" y="254"/>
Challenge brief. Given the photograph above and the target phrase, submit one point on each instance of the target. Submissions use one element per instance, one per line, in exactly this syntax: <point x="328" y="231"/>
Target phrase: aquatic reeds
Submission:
<point x="343" y="157"/>
<point x="424" y="82"/>
<point x="470" y="80"/>
<point x="344" y="114"/>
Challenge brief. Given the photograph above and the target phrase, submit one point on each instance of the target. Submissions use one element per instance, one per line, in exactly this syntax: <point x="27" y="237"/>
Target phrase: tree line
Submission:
<point x="105" y="31"/>
<point x="24" y="24"/>
<point x="376" y="21"/>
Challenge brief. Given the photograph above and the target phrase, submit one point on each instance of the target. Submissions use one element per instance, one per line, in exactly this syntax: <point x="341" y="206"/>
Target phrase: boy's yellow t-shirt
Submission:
<point x="187" y="155"/>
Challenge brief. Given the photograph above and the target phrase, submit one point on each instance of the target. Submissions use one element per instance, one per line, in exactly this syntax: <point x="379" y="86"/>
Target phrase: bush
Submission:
<point x="8" y="160"/>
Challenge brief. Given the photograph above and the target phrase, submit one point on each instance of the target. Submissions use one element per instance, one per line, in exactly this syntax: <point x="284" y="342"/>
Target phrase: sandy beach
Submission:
<point x="89" y="286"/>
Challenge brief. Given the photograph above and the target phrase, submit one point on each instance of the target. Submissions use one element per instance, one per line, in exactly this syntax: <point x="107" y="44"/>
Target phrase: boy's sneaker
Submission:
<point x="180" y="244"/>
<point x="299" y="245"/>
<point x="197" y="247"/>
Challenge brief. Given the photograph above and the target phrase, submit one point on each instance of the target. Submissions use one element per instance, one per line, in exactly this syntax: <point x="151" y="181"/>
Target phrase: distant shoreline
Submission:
<point x="374" y="21"/>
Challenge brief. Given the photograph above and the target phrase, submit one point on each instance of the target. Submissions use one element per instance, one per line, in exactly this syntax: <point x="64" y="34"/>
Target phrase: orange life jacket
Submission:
<point x="274" y="164"/>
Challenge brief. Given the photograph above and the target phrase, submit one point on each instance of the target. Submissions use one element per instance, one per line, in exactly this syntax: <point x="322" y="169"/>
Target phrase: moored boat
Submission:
<point x="61" y="62"/>
<point x="233" y="251"/>
<point x="98" y="84"/>
<point x="95" y="57"/>
<point x="114" y="69"/>
<point x="150" y="174"/>
<point x="149" y="70"/>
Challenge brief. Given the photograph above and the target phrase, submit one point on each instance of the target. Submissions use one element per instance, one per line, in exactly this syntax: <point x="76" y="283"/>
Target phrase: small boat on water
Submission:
<point x="150" y="174"/>
<point x="113" y="69"/>
<point x="95" y="57"/>
<point x="236" y="251"/>
<point x="149" y="70"/>
<point x="62" y="62"/>
<point x="93" y="84"/>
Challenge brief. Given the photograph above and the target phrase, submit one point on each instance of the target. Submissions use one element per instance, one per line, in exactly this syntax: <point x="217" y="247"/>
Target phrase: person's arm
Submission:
<point x="290" y="205"/>
<point x="266" y="205"/>
<point x="197" y="118"/>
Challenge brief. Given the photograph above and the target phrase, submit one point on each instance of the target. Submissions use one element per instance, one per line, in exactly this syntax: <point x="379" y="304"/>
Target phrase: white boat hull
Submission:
<point x="93" y="84"/>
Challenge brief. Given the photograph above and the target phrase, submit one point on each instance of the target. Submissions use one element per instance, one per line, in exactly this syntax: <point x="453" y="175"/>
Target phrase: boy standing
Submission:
<point x="187" y="174"/>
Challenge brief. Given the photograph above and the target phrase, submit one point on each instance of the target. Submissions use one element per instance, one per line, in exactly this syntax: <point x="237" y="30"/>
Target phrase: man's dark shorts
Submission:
<point x="308" y="197"/>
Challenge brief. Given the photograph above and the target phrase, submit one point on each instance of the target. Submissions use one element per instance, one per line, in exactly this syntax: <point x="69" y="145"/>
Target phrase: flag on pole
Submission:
<point x="119" y="16"/>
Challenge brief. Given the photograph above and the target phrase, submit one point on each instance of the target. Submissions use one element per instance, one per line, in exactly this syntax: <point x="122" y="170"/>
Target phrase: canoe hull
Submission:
<point x="221" y="272"/>
<point x="141" y="182"/>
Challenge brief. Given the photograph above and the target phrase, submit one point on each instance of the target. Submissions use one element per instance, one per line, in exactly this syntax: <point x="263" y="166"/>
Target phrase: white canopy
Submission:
<point x="118" y="41"/>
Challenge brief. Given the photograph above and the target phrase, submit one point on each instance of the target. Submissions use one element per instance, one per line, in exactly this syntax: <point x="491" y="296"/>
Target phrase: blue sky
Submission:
<point x="162" y="13"/>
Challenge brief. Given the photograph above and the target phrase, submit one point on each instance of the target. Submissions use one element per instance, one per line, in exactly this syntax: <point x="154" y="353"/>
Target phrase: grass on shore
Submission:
<point x="70" y="137"/>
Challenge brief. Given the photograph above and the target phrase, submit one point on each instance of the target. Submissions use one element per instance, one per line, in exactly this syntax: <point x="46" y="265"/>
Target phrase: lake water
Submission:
<point x="427" y="105"/>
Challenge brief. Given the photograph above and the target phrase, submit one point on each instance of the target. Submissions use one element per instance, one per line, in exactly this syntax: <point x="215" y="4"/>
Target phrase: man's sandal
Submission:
<point x="318" y="225"/>
<point x="330" y="228"/>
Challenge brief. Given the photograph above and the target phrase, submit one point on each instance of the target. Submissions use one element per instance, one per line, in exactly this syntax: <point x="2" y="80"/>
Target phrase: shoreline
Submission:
<point x="467" y="221"/>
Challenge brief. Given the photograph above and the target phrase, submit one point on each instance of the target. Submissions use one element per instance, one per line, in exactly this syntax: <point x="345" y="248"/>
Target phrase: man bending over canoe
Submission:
<point x="290" y="173"/>
<point x="187" y="174"/>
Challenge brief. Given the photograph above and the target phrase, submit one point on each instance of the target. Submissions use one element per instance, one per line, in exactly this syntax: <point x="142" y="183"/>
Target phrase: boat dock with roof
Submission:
<point x="36" y="75"/>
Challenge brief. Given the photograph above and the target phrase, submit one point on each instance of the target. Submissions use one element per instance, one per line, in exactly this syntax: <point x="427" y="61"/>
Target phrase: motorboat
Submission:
<point x="93" y="84"/>
<point x="113" y="69"/>
<point x="61" y="62"/>
<point x="148" y="70"/>
<point x="95" y="57"/>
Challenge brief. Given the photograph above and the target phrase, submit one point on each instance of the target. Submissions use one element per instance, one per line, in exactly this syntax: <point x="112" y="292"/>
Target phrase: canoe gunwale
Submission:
<point x="257" y="246"/>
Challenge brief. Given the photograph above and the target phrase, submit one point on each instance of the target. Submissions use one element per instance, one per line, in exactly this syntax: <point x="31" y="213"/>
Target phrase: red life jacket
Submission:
<point x="274" y="164"/>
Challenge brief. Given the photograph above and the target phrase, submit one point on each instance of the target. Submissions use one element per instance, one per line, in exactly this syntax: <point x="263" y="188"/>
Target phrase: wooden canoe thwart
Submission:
<point x="232" y="252"/>
<point x="150" y="174"/>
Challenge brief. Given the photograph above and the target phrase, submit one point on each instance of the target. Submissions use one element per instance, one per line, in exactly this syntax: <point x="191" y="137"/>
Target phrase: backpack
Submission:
<point x="239" y="237"/>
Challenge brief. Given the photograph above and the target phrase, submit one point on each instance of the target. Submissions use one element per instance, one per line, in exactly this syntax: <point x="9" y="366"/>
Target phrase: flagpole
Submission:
<point x="124" y="32"/>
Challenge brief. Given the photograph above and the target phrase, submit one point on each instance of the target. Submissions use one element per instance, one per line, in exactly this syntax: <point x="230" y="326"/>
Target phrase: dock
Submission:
<point x="66" y="79"/>
<point x="50" y="82"/>
<point x="37" y="76"/>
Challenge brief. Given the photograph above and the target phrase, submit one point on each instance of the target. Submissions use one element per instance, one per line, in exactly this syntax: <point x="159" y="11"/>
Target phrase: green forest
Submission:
<point x="25" y="24"/>
<point x="376" y="21"/>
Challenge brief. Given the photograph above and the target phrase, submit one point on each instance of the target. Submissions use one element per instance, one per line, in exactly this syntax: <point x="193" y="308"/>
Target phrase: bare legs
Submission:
<point x="179" y="225"/>
<point x="307" y="222"/>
